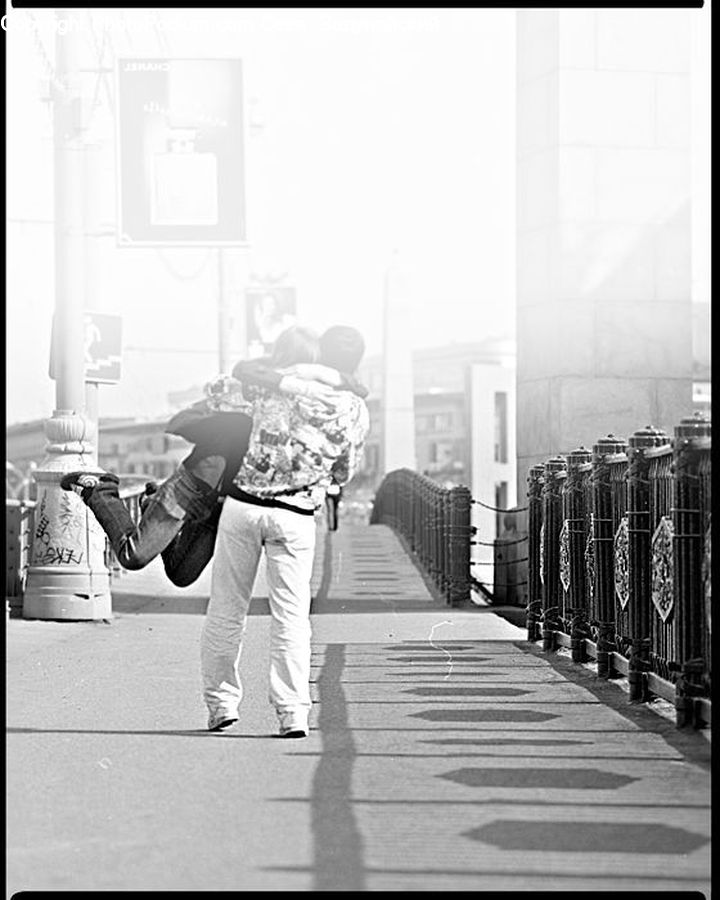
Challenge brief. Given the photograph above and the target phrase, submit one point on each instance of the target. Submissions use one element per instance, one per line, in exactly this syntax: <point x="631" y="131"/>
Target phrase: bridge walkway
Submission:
<point x="445" y="752"/>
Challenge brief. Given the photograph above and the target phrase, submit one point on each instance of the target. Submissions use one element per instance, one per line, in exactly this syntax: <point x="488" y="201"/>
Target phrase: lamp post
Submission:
<point x="67" y="577"/>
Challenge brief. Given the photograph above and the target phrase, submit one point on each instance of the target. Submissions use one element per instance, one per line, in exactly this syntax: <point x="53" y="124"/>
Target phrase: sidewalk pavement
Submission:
<point x="445" y="752"/>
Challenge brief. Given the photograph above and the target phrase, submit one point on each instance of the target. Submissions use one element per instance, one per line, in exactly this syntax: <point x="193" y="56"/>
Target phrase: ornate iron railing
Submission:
<point x="435" y="523"/>
<point x="619" y="561"/>
<point x="19" y="518"/>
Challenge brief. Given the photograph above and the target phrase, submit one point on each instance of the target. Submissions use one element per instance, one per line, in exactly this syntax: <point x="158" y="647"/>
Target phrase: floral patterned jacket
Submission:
<point x="298" y="444"/>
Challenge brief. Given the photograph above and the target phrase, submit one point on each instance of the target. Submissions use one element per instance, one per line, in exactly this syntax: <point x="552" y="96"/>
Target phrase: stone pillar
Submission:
<point x="603" y="225"/>
<point x="398" y="409"/>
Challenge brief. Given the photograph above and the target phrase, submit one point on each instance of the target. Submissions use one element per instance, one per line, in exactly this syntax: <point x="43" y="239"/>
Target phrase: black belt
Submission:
<point x="237" y="494"/>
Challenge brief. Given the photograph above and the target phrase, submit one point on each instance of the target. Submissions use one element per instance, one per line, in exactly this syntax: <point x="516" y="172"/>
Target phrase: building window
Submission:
<point x="443" y="422"/>
<point x="501" y="428"/>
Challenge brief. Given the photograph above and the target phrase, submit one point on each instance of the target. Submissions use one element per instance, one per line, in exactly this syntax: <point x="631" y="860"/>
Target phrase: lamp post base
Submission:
<point x="67" y="578"/>
<point x="79" y="595"/>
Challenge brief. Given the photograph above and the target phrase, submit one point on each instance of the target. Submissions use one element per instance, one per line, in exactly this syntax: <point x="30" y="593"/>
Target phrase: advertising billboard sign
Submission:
<point x="180" y="152"/>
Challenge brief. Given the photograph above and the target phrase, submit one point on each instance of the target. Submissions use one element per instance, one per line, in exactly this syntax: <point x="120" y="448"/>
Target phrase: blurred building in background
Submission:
<point x="443" y="408"/>
<point x="464" y="398"/>
<point x="464" y="415"/>
<point x="137" y="451"/>
<point x="448" y="382"/>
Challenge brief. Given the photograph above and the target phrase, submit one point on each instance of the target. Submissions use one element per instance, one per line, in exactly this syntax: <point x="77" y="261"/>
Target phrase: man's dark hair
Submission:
<point x="342" y="348"/>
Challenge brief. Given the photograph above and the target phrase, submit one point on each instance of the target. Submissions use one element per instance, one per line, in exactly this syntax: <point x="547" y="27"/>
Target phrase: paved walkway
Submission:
<point x="445" y="753"/>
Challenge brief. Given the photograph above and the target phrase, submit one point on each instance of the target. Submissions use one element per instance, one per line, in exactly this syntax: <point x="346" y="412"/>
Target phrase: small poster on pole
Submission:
<point x="270" y="310"/>
<point x="102" y="341"/>
<point x="103" y="348"/>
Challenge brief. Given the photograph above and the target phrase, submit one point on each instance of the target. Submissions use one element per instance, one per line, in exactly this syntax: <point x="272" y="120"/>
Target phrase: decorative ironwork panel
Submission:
<point x="590" y="564"/>
<point x="662" y="594"/>
<point x="565" y="556"/>
<point x="621" y="563"/>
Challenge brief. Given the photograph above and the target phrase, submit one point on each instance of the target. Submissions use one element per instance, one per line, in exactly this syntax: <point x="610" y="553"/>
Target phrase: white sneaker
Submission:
<point x="293" y="724"/>
<point x="221" y="719"/>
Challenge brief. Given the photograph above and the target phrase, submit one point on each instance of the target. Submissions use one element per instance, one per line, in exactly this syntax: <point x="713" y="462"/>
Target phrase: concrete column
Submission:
<point x="603" y="226"/>
<point x="398" y="410"/>
<point x="487" y="469"/>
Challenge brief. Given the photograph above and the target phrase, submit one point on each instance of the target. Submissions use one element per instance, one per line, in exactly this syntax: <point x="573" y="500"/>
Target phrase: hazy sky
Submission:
<point x="370" y="131"/>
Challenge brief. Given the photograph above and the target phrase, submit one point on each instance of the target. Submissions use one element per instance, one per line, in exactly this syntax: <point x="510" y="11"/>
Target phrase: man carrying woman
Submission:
<point x="298" y="446"/>
<point x="179" y="517"/>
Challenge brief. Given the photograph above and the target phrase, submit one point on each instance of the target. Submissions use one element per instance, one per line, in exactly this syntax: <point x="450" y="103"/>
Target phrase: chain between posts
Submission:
<point x="492" y="590"/>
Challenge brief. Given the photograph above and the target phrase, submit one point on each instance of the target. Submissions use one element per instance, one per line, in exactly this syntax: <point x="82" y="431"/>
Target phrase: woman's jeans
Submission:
<point x="186" y="555"/>
<point x="179" y="520"/>
<point x="288" y="539"/>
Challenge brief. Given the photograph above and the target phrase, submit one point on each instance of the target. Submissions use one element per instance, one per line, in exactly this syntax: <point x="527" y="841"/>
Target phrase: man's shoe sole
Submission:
<point x="296" y="733"/>
<point x="224" y="723"/>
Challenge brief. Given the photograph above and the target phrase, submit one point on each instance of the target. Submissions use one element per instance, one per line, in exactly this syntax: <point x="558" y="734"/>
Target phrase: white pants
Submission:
<point x="289" y="542"/>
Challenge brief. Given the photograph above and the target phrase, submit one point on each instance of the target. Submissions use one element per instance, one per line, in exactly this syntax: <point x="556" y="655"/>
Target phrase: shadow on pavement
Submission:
<point x="693" y="745"/>
<point x="190" y="732"/>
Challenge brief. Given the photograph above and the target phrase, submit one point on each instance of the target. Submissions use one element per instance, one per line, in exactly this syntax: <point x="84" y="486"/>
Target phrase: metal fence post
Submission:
<point x="555" y="470"/>
<point x="425" y="533"/>
<point x="573" y="545"/>
<point x="635" y="593"/>
<point x="444" y="530"/>
<point x="692" y="440"/>
<point x="459" y="588"/>
<point x="536" y="480"/>
<point x="435" y="536"/>
<point x="607" y="453"/>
